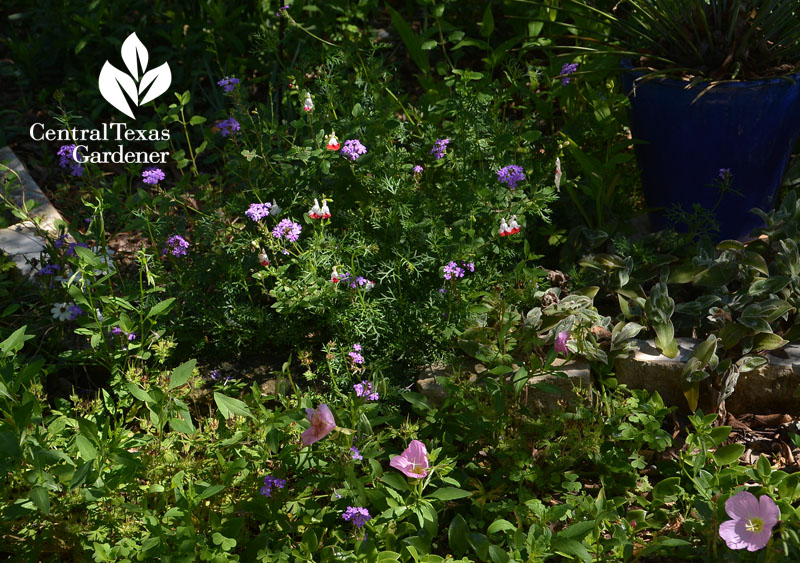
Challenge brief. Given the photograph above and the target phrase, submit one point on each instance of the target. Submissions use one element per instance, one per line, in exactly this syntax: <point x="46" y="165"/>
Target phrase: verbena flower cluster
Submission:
<point x="510" y="175"/>
<point x="228" y="126"/>
<point x="65" y="160"/>
<point x="228" y="83"/>
<point x="356" y="515"/>
<point x="566" y="70"/>
<point x="353" y="149"/>
<point x="177" y="245"/>
<point x="287" y="229"/>
<point x="153" y="175"/>
<point x="270" y="483"/>
<point x="364" y="389"/>
<point x="355" y="355"/>
<point x="439" y="148"/>
<point x="453" y="270"/>
<point x="355" y="454"/>
<point x="258" y="211"/>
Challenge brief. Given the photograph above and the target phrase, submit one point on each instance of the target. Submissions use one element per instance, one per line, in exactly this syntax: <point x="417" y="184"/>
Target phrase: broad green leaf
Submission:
<point x="160" y="307"/>
<point x="457" y="535"/>
<point x="85" y="448"/>
<point x="40" y="498"/>
<point x="181" y="374"/>
<point x="500" y="525"/>
<point x="450" y="493"/>
<point x="230" y="407"/>
<point x="728" y="454"/>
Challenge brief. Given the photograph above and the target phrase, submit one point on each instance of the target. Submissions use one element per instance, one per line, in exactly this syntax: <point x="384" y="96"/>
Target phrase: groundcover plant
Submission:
<point x="352" y="282"/>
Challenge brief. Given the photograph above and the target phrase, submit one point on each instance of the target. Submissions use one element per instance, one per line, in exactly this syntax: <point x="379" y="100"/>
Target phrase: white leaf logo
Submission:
<point x="114" y="83"/>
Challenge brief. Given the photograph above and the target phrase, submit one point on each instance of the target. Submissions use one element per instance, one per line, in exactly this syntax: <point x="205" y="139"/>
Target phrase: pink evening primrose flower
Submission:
<point x="413" y="462"/>
<point x="752" y="522"/>
<point x="322" y="423"/>
<point x="561" y="342"/>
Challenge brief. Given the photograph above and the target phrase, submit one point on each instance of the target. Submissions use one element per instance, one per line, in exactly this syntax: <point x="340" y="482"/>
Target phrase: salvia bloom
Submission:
<point x="333" y="142"/>
<point x="355" y="454"/>
<point x="353" y="149"/>
<point x="557" y="178"/>
<point x="566" y="70"/>
<point x="560" y="344"/>
<point x="335" y="276"/>
<point x="322" y="423"/>
<point x="228" y="83"/>
<point x="287" y="229"/>
<point x="357" y="515"/>
<point x="258" y="211"/>
<point x="270" y="483"/>
<point x="509" y="228"/>
<point x="263" y="258"/>
<point x="153" y="175"/>
<point x="66" y="159"/>
<point x="413" y="462"/>
<point x="317" y="212"/>
<point x="510" y="175"/>
<point x="308" y="105"/>
<point x="439" y="148"/>
<point x="228" y="126"/>
<point x="753" y="520"/>
<point x="364" y="389"/>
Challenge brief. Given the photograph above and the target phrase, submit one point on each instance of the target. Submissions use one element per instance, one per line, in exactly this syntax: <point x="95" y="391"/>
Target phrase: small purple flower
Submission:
<point x="66" y="159"/>
<point x="116" y="331"/>
<point x="560" y="344"/>
<point x="74" y="312"/>
<point x="442" y="290"/>
<point x="271" y="482"/>
<point x="49" y="269"/>
<point x="439" y="148"/>
<point x="60" y="241"/>
<point x="228" y="83"/>
<point x="364" y="389"/>
<point x="417" y="170"/>
<point x="469" y="266"/>
<point x="725" y="174"/>
<point x="282" y="9"/>
<point x="357" y="347"/>
<point x="566" y="70"/>
<point x="131" y="336"/>
<point x="153" y="175"/>
<point x="287" y="229"/>
<point x="71" y="247"/>
<point x="353" y="149"/>
<point x="357" y="515"/>
<point x="228" y="126"/>
<point x="177" y="245"/>
<point x="453" y="270"/>
<point x="510" y="175"/>
<point x="356" y="357"/>
<point x="355" y="454"/>
<point x="214" y="374"/>
<point x="258" y="211"/>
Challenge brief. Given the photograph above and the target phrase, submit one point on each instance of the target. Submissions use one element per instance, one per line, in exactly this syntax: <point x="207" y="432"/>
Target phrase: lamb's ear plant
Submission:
<point x="701" y="39"/>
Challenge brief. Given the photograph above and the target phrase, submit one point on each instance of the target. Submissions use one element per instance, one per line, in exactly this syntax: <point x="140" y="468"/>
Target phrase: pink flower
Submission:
<point x="752" y="522"/>
<point x="413" y="461"/>
<point x="322" y="423"/>
<point x="561" y="342"/>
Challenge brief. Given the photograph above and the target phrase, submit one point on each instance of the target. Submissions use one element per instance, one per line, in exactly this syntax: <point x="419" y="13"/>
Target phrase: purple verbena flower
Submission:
<point x="357" y="347"/>
<point x="566" y="70"/>
<point x="357" y="515"/>
<point x="228" y="126"/>
<point x="353" y="149"/>
<point x="364" y="389"/>
<point x="177" y="245"/>
<point x="271" y="482"/>
<point x="355" y="454"/>
<point x="439" y="148"/>
<point x="67" y="159"/>
<point x="153" y="175"/>
<point x="510" y="175"/>
<point x="228" y="83"/>
<point x="74" y="312"/>
<point x="453" y="270"/>
<point x="258" y="211"/>
<point x="287" y="229"/>
<point x="356" y="357"/>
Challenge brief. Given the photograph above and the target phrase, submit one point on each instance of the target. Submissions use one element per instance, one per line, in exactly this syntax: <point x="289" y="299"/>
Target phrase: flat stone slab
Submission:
<point x="22" y="242"/>
<point x="770" y="388"/>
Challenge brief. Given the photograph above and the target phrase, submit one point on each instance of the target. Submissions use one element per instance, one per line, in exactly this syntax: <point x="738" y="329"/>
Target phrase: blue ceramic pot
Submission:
<point x="749" y="127"/>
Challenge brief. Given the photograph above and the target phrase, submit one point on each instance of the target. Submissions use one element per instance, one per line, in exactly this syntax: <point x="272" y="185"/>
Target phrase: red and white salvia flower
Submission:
<point x="513" y="225"/>
<point x="308" y="105"/>
<point x="369" y="285"/>
<point x="503" y="230"/>
<point x="335" y="275"/>
<point x="324" y="210"/>
<point x="333" y="142"/>
<point x="263" y="258"/>
<point x="558" y="174"/>
<point x="315" y="212"/>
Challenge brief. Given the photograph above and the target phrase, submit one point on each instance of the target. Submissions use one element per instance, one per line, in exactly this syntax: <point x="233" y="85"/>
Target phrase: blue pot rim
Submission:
<point x="785" y="80"/>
